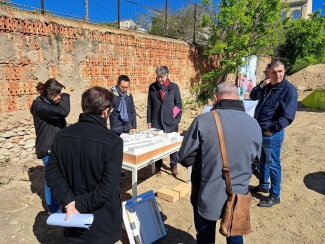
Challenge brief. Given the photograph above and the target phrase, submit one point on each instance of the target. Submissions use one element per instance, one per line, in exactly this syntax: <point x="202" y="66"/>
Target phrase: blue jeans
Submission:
<point x="206" y="231"/>
<point x="270" y="163"/>
<point x="53" y="205"/>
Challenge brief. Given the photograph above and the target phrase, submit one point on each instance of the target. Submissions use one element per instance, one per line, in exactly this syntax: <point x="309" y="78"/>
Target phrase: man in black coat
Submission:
<point x="84" y="170"/>
<point x="164" y="110"/>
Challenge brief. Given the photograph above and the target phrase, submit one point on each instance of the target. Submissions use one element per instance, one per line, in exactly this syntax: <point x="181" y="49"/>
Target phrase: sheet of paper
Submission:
<point x="76" y="220"/>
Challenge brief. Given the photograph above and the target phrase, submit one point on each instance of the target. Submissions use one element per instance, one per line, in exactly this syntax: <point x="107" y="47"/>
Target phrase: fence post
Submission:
<point x="86" y="16"/>
<point x="118" y="14"/>
<point x="166" y="9"/>
<point x="194" y="26"/>
<point x="42" y="6"/>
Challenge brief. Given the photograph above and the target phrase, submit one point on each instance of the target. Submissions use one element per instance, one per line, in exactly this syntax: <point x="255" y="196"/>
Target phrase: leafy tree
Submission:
<point x="240" y="29"/>
<point x="180" y="23"/>
<point x="304" y="43"/>
<point x="6" y="3"/>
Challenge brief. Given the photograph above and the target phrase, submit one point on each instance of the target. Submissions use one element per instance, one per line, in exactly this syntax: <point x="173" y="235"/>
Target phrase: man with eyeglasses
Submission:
<point x="122" y="119"/>
<point x="164" y="110"/>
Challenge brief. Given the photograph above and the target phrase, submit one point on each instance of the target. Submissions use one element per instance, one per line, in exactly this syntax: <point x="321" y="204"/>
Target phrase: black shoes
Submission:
<point x="258" y="189"/>
<point x="174" y="171"/>
<point x="269" y="202"/>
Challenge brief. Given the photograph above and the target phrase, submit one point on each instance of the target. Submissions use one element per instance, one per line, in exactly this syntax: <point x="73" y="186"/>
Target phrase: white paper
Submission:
<point x="75" y="220"/>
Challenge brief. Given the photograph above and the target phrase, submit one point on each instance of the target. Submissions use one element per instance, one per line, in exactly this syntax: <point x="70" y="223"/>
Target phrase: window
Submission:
<point x="283" y="15"/>
<point x="296" y="15"/>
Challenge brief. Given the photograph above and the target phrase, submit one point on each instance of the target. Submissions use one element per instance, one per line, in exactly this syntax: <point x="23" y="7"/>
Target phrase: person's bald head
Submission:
<point x="226" y="90"/>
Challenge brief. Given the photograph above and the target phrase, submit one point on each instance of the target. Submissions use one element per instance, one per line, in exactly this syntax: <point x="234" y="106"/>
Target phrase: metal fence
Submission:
<point x="174" y="18"/>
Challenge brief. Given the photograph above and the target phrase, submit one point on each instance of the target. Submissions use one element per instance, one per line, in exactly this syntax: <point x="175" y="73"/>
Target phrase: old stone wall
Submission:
<point x="35" y="47"/>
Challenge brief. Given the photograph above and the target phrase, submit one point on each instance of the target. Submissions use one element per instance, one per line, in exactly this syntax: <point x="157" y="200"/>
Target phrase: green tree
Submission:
<point x="304" y="43"/>
<point x="240" y="29"/>
<point x="6" y="3"/>
<point x="180" y="23"/>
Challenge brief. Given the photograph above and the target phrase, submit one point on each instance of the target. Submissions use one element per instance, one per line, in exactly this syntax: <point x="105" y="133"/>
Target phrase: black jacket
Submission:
<point x="160" y="113"/>
<point x="49" y="118"/>
<point x="277" y="106"/>
<point x="85" y="167"/>
<point x="115" y="121"/>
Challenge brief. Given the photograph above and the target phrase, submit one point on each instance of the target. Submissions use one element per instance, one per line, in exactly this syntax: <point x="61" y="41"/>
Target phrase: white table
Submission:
<point x="134" y="168"/>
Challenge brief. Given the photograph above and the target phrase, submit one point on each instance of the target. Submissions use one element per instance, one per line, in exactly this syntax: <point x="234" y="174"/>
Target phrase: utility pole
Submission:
<point x="42" y="6"/>
<point x="194" y="29"/>
<point x="166" y="9"/>
<point x="118" y="14"/>
<point x="86" y="7"/>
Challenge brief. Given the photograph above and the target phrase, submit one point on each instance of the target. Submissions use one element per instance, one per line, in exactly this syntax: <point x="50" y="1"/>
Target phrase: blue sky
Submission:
<point x="106" y="10"/>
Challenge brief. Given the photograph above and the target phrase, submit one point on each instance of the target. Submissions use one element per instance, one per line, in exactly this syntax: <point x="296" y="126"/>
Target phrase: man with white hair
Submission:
<point x="201" y="149"/>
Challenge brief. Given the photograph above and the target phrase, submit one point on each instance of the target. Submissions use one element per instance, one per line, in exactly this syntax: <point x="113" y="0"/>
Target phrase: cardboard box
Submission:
<point x="142" y="219"/>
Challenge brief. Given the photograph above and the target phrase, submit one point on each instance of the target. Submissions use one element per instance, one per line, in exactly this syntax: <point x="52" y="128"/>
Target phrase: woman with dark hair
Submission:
<point x="49" y="111"/>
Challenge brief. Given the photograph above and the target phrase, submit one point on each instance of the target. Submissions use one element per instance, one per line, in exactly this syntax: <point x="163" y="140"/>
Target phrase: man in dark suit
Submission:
<point x="84" y="170"/>
<point x="164" y="110"/>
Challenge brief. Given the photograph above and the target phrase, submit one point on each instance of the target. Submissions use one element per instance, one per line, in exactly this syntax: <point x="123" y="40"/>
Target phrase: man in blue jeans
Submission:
<point x="276" y="109"/>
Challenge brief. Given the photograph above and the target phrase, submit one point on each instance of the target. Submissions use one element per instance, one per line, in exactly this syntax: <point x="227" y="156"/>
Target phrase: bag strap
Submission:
<point x="225" y="169"/>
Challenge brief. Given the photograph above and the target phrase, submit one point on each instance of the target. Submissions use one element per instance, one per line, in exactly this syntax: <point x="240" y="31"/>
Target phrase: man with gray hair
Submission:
<point x="201" y="149"/>
<point x="164" y="110"/>
<point x="275" y="110"/>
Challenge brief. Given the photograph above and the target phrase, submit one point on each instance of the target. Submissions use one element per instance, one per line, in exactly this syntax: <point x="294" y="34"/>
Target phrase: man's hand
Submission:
<point x="149" y="126"/>
<point x="268" y="133"/>
<point x="265" y="82"/>
<point x="133" y="130"/>
<point x="70" y="209"/>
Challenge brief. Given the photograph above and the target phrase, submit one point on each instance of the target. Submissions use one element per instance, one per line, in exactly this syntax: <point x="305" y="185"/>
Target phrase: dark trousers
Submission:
<point x="206" y="231"/>
<point x="173" y="161"/>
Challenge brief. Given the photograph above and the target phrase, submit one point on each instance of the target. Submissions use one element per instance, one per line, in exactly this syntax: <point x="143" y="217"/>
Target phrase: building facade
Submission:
<point x="299" y="8"/>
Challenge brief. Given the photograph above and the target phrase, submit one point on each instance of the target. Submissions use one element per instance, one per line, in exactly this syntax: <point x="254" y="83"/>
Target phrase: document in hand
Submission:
<point x="75" y="220"/>
<point x="176" y="110"/>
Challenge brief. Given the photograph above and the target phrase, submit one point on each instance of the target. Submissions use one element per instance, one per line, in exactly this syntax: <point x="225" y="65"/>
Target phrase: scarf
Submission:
<point x="122" y="108"/>
<point x="163" y="89"/>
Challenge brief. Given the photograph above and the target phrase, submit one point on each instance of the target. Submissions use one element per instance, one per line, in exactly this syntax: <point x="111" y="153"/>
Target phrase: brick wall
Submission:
<point x="34" y="48"/>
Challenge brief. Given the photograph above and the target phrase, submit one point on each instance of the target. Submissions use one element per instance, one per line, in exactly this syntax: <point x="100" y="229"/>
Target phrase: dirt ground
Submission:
<point x="300" y="218"/>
